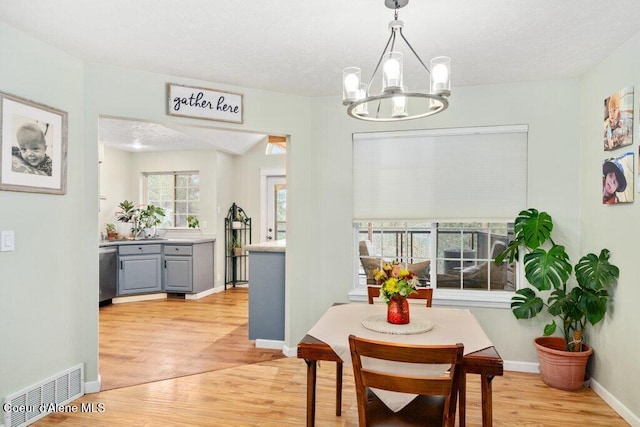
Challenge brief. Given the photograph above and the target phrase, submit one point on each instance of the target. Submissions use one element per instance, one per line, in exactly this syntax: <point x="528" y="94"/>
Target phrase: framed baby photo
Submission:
<point x="33" y="146"/>
<point x="617" y="179"/>
<point x="618" y="119"/>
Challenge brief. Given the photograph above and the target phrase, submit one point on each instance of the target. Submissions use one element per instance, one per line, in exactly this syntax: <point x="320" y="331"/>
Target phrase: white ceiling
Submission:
<point x="139" y="136"/>
<point x="300" y="47"/>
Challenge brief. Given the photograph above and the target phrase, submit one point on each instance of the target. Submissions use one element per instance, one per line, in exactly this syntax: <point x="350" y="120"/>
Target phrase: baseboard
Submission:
<point x="93" y="386"/>
<point x="137" y="298"/>
<point x="531" y="367"/>
<point x="204" y="293"/>
<point x="615" y="404"/>
<point x="272" y="344"/>
<point x="289" y="351"/>
<point x="610" y="399"/>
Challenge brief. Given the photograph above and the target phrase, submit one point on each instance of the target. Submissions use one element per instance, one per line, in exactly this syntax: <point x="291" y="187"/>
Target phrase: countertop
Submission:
<point x="164" y="241"/>
<point x="272" y="246"/>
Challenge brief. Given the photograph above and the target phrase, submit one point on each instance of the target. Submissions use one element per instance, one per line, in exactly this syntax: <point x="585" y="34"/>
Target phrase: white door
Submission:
<point x="276" y="208"/>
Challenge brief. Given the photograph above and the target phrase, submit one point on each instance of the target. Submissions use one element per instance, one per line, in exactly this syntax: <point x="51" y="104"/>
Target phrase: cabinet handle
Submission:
<point x="120" y="265"/>
<point x="165" y="263"/>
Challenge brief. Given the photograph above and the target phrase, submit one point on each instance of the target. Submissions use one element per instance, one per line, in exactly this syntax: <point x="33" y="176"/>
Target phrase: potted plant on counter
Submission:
<point x="147" y="220"/>
<point x="111" y="231"/>
<point x="192" y="221"/>
<point x="547" y="267"/>
<point x="125" y="217"/>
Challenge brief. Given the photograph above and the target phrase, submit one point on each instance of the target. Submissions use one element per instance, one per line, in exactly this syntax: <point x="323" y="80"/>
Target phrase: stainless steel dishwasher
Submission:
<point x="108" y="274"/>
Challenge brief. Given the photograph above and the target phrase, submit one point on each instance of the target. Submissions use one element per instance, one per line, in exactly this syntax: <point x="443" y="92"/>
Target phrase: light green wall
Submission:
<point x="550" y="108"/>
<point x="615" y="340"/>
<point x="48" y="303"/>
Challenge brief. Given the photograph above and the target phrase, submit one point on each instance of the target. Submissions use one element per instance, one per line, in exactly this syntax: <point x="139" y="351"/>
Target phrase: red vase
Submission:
<point x="398" y="310"/>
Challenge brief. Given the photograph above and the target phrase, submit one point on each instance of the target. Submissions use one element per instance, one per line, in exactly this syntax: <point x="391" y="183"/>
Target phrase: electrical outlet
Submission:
<point x="204" y="225"/>
<point x="7" y="241"/>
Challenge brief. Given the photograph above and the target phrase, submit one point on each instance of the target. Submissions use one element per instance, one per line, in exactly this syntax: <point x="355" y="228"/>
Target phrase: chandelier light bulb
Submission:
<point x="392" y="69"/>
<point x="392" y="72"/>
<point x="350" y="84"/>
<point x="440" y="73"/>
<point x="399" y="105"/>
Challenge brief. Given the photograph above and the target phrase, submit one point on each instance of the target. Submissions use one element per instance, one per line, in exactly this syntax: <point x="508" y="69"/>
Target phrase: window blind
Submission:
<point x="465" y="173"/>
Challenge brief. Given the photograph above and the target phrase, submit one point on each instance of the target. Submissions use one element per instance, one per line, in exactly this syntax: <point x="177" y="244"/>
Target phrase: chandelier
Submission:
<point x="395" y="101"/>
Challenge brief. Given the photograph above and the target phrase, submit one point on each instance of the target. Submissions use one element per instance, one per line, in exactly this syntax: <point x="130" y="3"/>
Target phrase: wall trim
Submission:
<point x="287" y="351"/>
<point x="517" y="366"/>
<point x="615" y="404"/>
<point x="272" y="344"/>
<point x="93" y="386"/>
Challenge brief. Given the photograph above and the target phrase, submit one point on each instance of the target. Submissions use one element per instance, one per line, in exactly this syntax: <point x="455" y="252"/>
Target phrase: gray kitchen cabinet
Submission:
<point x="139" y="269"/>
<point x="178" y="268"/>
<point x="188" y="268"/>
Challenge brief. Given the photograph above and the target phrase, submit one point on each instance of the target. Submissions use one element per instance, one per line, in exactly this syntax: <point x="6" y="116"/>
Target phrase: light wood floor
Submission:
<point x="240" y="389"/>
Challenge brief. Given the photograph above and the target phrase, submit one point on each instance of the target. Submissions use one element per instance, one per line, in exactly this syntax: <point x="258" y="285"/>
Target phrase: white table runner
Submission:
<point x="451" y="326"/>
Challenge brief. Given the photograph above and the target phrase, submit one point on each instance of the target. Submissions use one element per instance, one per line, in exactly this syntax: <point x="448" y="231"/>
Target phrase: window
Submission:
<point x="442" y="198"/>
<point x="455" y="256"/>
<point x="276" y="145"/>
<point x="178" y="193"/>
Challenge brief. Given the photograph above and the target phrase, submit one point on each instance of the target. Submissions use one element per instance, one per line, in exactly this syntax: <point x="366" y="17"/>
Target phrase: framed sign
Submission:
<point x="202" y="103"/>
<point x="33" y="146"/>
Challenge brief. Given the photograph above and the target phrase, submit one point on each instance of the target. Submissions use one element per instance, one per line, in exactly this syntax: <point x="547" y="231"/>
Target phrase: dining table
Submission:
<point x="327" y="340"/>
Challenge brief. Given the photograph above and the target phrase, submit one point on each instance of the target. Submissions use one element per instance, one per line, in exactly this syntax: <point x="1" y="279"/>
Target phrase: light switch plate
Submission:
<point x="7" y="241"/>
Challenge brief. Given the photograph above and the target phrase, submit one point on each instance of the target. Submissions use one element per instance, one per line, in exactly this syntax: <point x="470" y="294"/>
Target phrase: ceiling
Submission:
<point x="141" y="136"/>
<point x="301" y="47"/>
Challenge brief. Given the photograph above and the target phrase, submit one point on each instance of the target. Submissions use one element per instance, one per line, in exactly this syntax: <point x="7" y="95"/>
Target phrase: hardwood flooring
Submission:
<point x="243" y="386"/>
<point x="149" y="341"/>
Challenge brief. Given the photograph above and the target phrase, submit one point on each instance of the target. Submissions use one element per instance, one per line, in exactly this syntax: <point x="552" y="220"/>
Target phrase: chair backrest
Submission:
<point x="444" y="384"/>
<point x="421" y="293"/>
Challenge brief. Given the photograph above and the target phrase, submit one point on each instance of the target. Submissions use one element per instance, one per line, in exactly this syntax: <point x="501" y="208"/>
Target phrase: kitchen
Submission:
<point x="130" y="148"/>
<point x="177" y="262"/>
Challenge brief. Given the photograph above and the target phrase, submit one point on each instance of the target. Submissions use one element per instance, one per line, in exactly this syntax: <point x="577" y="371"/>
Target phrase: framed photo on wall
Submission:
<point x="33" y="146"/>
<point x="617" y="179"/>
<point x="618" y="119"/>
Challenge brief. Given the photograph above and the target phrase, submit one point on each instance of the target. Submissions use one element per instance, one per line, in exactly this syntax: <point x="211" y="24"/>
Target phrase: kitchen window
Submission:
<point x="178" y="193"/>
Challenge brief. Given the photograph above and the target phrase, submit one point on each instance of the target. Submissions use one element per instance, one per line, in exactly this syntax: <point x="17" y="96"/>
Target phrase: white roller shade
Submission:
<point x="466" y="173"/>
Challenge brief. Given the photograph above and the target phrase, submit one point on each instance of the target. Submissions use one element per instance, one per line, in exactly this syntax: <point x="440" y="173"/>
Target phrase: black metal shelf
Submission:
<point x="237" y="226"/>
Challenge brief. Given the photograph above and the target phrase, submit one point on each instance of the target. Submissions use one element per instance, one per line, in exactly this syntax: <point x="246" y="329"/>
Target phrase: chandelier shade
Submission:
<point x="396" y="101"/>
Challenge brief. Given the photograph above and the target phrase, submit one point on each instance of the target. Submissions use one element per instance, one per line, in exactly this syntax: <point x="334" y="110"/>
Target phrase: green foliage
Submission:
<point x="550" y="270"/>
<point x="193" y="221"/>
<point x="150" y="216"/>
<point x="127" y="211"/>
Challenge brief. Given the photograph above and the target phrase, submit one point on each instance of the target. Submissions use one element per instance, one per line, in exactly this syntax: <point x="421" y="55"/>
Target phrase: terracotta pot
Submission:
<point x="560" y="368"/>
<point x="398" y="310"/>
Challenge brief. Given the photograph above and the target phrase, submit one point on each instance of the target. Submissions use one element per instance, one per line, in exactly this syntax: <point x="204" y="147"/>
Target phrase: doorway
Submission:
<point x="276" y="190"/>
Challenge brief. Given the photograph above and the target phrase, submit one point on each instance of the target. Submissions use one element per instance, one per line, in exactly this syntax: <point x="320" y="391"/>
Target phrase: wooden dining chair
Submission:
<point x="421" y="293"/>
<point x="435" y="404"/>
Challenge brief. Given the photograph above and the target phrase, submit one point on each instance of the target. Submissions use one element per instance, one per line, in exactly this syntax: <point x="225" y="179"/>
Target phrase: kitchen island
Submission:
<point x="184" y="267"/>
<point x="266" y="293"/>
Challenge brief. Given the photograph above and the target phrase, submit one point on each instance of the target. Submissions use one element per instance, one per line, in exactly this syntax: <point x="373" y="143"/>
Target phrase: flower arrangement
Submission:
<point x="395" y="280"/>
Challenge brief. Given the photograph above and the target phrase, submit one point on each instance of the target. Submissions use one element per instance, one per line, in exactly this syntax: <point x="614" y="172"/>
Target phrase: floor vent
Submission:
<point x="31" y="404"/>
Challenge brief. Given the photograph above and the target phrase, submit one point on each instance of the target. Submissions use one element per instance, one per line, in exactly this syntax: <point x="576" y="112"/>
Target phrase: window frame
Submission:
<point x="174" y="174"/>
<point x="442" y="296"/>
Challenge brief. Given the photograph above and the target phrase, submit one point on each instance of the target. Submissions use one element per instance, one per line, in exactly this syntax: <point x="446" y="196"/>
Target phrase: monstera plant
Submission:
<point x="547" y="267"/>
